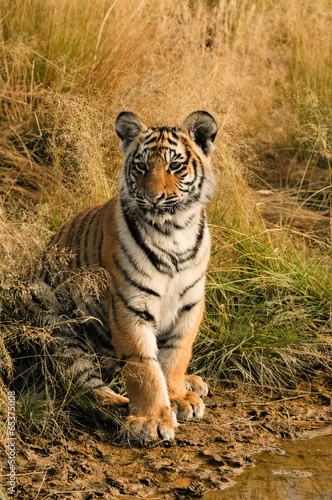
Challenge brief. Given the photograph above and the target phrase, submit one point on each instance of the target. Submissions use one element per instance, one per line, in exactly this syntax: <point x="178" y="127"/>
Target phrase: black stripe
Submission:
<point x="196" y="193"/>
<point x="185" y="290"/>
<point x="91" y="220"/>
<point x="174" y="143"/>
<point x="194" y="164"/>
<point x="115" y="316"/>
<point x="139" y="356"/>
<point x="56" y="237"/>
<point x="130" y="259"/>
<point x="188" y="183"/>
<point x="98" y="239"/>
<point x="175" y="133"/>
<point x="133" y="281"/>
<point x="188" y="155"/>
<point x="166" y="337"/>
<point x="163" y="129"/>
<point x="200" y="184"/>
<point x="100" y="247"/>
<point x="171" y="198"/>
<point x="95" y="326"/>
<point x="104" y="317"/>
<point x="71" y="234"/>
<point x="198" y="190"/>
<point x="178" y="170"/>
<point x="134" y="153"/>
<point x="145" y="315"/>
<point x="162" y="229"/>
<point x="170" y="205"/>
<point x="78" y="254"/>
<point x="171" y="256"/>
<point x="147" y="136"/>
<point x="158" y="227"/>
<point x="150" y="141"/>
<point x="168" y="346"/>
<point x="189" y="254"/>
<point x="182" y="190"/>
<point x="186" y="308"/>
<point x="199" y="239"/>
<point x="188" y="221"/>
<point x="159" y="264"/>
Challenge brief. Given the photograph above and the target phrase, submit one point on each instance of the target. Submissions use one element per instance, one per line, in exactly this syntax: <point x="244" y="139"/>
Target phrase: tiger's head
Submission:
<point x="166" y="169"/>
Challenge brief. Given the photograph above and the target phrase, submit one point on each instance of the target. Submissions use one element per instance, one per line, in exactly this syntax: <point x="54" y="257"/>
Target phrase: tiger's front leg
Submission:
<point x="184" y="391"/>
<point x="151" y="417"/>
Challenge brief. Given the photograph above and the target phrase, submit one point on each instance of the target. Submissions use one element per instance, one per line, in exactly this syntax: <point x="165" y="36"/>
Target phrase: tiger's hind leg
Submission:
<point x="79" y="362"/>
<point x="88" y="374"/>
<point x="107" y="397"/>
<point x="71" y="350"/>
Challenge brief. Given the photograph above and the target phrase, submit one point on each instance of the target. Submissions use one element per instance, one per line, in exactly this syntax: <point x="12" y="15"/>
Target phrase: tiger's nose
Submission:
<point x="153" y="198"/>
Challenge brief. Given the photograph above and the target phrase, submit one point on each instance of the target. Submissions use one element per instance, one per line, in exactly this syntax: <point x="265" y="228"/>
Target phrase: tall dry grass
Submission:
<point x="263" y="69"/>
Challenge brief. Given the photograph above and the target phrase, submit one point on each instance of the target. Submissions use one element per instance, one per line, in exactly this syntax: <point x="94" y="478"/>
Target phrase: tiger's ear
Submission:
<point x="128" y="126"/>
<point x="202" y="129"/>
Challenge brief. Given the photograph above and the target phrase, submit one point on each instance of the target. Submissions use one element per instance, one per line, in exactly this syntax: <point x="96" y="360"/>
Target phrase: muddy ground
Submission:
<point x="90" y="463"/>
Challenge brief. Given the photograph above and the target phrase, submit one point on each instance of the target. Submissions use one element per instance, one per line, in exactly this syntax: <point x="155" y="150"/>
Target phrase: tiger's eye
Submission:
<point x="175" y="167"/>
<point x="141" y="167"/>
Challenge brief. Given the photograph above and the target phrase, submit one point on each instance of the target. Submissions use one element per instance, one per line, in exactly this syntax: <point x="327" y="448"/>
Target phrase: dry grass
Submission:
<point x="263" y="69"/>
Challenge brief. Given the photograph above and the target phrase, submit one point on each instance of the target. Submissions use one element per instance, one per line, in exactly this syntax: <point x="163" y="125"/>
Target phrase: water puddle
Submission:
<point x="302" y="471"/>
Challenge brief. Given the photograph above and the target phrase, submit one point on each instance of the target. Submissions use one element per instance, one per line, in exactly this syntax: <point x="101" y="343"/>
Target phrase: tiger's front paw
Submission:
<point x="149" y="429"/>
<point x="188" y="406"/>
<point x="196" y="384"/>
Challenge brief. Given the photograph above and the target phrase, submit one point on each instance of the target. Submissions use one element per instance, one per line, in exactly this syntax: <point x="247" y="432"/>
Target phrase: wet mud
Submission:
<point x="300" y="470"/>
<point x="206" y="456"/>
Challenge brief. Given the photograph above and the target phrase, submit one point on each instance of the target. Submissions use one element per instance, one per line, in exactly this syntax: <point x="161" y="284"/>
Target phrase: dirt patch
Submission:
<point x="205" y="455"/>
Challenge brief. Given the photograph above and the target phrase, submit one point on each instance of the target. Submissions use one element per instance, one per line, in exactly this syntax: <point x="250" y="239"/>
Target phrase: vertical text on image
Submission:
<point x="11" y="442"/>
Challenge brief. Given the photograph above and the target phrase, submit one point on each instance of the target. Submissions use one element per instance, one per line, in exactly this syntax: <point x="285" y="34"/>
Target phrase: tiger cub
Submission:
<point x="153" y="243"/>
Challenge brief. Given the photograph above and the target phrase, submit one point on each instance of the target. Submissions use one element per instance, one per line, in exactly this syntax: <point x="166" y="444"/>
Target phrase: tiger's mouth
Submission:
<point x="159" y="210"/>
<point x="161" y="207"/>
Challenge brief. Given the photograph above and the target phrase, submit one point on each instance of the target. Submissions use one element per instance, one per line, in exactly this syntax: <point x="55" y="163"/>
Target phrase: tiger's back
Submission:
<point x="153" y="243"/>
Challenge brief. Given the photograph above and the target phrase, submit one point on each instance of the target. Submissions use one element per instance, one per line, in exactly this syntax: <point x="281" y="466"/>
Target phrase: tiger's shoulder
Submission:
<point x="83" y="235"/>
